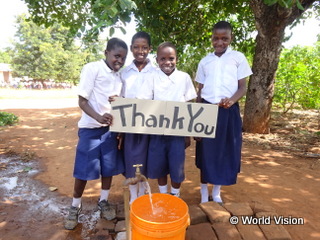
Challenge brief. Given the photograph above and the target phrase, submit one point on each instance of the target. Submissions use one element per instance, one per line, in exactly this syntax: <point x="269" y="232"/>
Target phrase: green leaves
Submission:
<point x="111" y="31"/>
<point x="299" y="5"/>
<point x="5" y="57"/>
<point x="85" y="19"/>
<point x="127" y="5"/>
<point x="298" y="78"/>
<point x="188" y="24"/>
<point x="48" y="53"/>
<point x="8" y="119"/>
<point x="285" y="3"/>
<point x="270" y="2"/>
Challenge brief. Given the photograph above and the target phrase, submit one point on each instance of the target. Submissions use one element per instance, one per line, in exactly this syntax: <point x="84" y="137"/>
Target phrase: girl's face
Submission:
<point x="140" y="49"/>
<point x="221" y="39"/>
<point x="167" y="59"/>
<point x="116" y="58"/>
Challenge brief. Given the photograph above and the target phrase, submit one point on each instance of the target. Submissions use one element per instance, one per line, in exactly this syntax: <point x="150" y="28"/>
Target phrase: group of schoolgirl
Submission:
<point x="221" y="78"/>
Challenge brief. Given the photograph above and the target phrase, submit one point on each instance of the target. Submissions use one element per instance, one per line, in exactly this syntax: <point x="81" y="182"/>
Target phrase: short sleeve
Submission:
<point x="86" y="84"/>
<point x="200" y="76"/>
<point x="190" y="90"/>
<point x="244" y="69"/>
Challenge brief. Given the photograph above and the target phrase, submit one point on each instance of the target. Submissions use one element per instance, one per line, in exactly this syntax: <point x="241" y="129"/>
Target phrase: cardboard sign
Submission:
<point x="164" y="118"/>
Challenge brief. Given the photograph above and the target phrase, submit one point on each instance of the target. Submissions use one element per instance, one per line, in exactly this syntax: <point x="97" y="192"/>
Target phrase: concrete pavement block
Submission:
<point x="215" y="212"/>
<point x="239" y="209"/>
<point x="250" y="232"/>
<point x="201" y="231"/>
<point x="275" y="232"/>
<point x="266" y="214"/>
<point x="260" y="207"/>
<point x="226" y="231"/>
<point x="197" y="215"/>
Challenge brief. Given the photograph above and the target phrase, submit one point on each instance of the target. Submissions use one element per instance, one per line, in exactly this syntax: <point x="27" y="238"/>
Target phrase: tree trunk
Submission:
<point x="271" y="22"/>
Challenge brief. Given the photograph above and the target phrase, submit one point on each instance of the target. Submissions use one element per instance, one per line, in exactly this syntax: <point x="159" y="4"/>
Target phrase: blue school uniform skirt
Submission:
<point x="135" y="148"/>
<point x="219" y="158"/>
<point x="166" y="155"/>
<point x="97" y="154"/>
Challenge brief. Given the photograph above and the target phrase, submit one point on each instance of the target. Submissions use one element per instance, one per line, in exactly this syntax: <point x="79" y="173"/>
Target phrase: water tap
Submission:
<point x="138" y="176"/>
<point x="137" y="166"/>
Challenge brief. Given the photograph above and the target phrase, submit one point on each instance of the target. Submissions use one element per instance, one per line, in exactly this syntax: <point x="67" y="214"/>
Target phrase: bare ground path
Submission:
<point x="46" y="137"/>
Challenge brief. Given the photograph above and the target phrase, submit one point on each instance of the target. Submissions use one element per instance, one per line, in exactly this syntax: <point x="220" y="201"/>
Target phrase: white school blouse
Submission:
<point x="176" y="87"/>
<point x="133" y="79"/>
<point x="97" y="83"/>
<point x="220" y="75"/>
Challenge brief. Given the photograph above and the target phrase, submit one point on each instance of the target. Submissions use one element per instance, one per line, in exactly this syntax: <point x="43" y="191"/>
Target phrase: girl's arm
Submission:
<point x="84" y="105"/>
<point x="199" y="99"/>
<point x="242" y="89"/>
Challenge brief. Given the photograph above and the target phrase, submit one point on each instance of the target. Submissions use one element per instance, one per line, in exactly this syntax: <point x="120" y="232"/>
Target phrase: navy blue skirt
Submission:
<point x="135" y="148"/>
<point x="97" y="154"/>
<point x="219" y="158"/>
<point x="166" y="155"/>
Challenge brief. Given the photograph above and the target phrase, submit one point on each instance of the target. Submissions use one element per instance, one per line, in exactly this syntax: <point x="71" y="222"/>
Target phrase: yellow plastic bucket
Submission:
<point x="167" y="217"/>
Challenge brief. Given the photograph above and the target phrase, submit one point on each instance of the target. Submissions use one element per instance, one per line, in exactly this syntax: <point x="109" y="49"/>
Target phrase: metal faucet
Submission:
<point x="138" y="176"/>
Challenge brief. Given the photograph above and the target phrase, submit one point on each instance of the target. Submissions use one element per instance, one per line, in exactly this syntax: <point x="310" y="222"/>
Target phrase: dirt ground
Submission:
<point x="280" y="170"/>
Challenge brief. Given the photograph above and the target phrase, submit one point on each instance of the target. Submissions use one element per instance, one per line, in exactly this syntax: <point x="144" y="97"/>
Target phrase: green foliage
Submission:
<point x="47" y="53"/>
<point x="284" y="3"/>
<point x="188" y="24"/>
<point x="8" y="119"/>
<point x="298" y="78"/>
<point x="5" y="57"/>
<point x="84" y="18"/>
<point x="88" y="18"/>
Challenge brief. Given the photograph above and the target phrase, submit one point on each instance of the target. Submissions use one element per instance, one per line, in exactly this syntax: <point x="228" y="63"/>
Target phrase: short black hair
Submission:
<point x="167" y="44"/>
<point x="116" y="42"/>
<point x="143" y="35"/>
<point x="222" y="25"/>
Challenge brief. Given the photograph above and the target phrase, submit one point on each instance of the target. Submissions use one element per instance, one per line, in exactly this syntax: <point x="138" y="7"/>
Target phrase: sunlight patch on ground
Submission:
<point x="265" y="185"/>
<point x="262" y="177"/>
<point x="308" y="176"/>
<point x="63" y="148"/>
<point x="48" y="143"/>
<point x="10" y="93"/>
<point x="187" y="181"/>
<point x="269" y="163"/>
<point x="37" y="139"/>
<point x="282" y="200"/>
<point x="29" y="127"/>
<point x="250" y="180"/>
<point x="305" y="193"/>
<point x="37" y="104"/>
<point x="47" y="130"/>
<point x="316" y="235"/>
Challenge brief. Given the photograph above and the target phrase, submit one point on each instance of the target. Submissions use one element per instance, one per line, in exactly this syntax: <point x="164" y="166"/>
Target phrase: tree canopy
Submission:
<point x="89" y="18"/>
<point x="259" y="27"/>
<point x="83" y="18"/>
<point x="4" y="57"/>
<point x="46" y="53"/>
